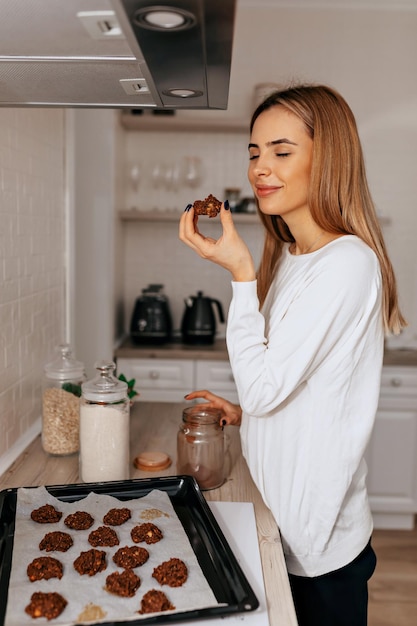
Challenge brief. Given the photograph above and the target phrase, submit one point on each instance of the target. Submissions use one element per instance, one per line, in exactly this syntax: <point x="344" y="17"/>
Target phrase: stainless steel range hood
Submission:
<point x="111" y="53"/>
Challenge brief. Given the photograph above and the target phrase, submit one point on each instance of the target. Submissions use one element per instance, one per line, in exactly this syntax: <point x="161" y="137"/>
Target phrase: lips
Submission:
<point x="265" y="191"/>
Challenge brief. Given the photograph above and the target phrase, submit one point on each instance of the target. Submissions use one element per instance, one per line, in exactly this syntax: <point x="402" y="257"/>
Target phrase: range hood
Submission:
<point x="157" y="54"/>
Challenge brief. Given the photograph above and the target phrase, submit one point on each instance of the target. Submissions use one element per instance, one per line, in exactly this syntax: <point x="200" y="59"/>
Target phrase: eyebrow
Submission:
<point x="275" y="142"/>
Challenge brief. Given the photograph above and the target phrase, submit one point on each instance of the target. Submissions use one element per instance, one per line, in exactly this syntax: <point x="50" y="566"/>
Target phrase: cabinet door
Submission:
<point x="399" y="388"/>
<point x="392" y="465"/>
<point x="159" y="380"/>
<point x="216" y="376"/>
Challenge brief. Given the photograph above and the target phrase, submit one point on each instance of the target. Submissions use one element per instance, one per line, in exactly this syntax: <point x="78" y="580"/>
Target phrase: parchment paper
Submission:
<point x="78" y="590"/>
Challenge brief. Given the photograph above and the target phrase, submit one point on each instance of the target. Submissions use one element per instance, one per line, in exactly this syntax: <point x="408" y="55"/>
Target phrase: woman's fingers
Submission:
<point x="190" y="234"/>
<point x="202" y="393"/>
<point x="231" y="413"/>
<point x="229" y="250"/>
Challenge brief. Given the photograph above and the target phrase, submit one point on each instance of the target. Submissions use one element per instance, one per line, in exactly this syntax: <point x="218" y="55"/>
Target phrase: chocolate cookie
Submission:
<point x="173" y="573"/>
<point x="46" y="514"/>
<point x="44" y="568"/>
<point x="56" y="541"/>
<point x="147" y="532"/>
<point x="130" y="557"/>
<point x="155" y="601"/>
<point x="81" y="520"/>
<point x="209" y="206"/>
<point x="123" y="584"/>
<point x="103" y="536"/>
<point x="90" y="562"/>
<point x="117" y="517"/>
<point x="49" y="605"/>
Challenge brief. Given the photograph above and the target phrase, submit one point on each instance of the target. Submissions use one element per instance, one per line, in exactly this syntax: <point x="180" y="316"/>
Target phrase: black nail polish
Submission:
<point x="226" y="205"/>
<point x="188" y="207"/>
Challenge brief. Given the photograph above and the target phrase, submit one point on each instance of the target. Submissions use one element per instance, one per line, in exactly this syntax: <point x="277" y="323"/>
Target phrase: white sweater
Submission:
<point x="308" y="370"/>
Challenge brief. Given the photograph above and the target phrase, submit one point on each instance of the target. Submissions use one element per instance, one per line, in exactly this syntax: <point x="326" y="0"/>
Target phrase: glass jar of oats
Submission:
<point x="61" y="403"/>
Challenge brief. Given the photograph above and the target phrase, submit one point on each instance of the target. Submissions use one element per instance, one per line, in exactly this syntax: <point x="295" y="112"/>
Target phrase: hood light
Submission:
<point x="164" y="18"/>
<point x="183" y="93"/>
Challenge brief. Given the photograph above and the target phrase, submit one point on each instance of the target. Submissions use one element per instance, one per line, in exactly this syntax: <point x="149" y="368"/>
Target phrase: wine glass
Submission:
<point x="135" y="176"/>
<point x="172" y="177"/>
<point x="134" y="180"/>
<point x="192" y="171"/>
<point x="158" y="175"/>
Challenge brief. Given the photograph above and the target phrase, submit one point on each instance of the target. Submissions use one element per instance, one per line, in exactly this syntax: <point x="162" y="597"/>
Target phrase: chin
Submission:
<point x="267" y="210"/>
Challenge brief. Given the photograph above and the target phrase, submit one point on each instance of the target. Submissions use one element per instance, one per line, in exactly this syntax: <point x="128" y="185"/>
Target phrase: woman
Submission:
<point x="305" y="338"/>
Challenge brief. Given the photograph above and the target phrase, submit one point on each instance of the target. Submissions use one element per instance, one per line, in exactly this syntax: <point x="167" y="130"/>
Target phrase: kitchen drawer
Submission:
<point x="216" y="376"/>
<point x="166" y="380"/>
<point x="399" y="378"/>
<point x="398" y="388"/>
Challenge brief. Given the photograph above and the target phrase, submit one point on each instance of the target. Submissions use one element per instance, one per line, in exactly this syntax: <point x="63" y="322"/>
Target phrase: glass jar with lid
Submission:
<point x="201" y="446"/>
<point x="61" y="393"/>
<point x="104" y="427"/>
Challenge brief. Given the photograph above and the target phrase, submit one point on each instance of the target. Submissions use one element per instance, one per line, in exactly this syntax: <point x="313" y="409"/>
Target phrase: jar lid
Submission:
<point x="64" y="367"/>
<point x="105" y="387"/>
<point x="152" y="461"/>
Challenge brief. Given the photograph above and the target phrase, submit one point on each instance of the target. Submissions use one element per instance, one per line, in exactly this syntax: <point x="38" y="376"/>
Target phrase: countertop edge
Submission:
<point x="218" y="352"/>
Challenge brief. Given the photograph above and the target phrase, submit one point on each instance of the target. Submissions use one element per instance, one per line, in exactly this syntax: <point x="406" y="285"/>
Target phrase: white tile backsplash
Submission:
<point x="153" y="252"/>
<point x="223" y="158"/>
<point x="32" y="260"/>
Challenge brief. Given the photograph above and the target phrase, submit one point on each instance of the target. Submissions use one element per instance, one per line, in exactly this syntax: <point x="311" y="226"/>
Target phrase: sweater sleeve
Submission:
<point x="330" y="305"/>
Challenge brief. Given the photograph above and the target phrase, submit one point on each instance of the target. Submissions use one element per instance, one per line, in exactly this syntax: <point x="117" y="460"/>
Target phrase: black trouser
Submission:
<point x="339" y="598"/>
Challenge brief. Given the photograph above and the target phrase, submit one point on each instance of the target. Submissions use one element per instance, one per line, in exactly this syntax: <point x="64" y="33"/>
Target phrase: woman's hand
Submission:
<point x="231" y="413"/>
<point x="229" y="251"/>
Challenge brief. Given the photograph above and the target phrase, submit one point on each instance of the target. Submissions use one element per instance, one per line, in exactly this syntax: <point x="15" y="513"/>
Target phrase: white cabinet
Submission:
<point x="159" y="380"/>
<point x="169" y="380"/>
<point x="216" y="376"/>
<point x="392" y="452"/>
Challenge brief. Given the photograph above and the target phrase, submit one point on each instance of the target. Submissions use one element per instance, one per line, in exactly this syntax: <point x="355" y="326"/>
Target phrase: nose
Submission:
<point x="261" y="167"/>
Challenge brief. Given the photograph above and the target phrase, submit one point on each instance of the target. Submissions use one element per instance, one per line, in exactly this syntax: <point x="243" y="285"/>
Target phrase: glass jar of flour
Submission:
<point x="104" y="427"/>
<point x="61" y="393"/>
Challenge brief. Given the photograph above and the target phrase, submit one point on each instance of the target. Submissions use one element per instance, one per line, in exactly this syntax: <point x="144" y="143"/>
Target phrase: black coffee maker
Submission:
<point x="151" y="321"/>
<point x="199" y="323"/>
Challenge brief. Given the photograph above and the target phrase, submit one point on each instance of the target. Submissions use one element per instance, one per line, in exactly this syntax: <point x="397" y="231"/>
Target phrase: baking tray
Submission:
<point x="217" y="561"/>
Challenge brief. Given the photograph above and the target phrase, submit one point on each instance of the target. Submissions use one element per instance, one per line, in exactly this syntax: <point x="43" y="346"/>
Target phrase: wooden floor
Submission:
<point x="393" y="587"/>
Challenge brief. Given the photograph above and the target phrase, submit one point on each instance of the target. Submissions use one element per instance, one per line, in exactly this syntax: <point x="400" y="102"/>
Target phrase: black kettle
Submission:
<point x="151" y="321"/>
<point x="198" y="322"/>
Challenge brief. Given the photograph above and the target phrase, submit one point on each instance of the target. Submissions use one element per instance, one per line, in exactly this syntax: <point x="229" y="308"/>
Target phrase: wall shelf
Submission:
<point x="156" y="123"/>
<point x="131" y="215"/>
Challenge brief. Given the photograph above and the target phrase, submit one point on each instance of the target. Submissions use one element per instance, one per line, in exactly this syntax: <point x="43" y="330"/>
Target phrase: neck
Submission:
<point x="298" y="248"/>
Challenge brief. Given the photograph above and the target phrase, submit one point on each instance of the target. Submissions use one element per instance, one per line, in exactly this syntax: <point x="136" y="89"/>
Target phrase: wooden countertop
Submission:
<point x="154" y="427"/>
<point x="218" y="351"/>
<point x="400" y="357"/>
<point x="174" y="350"/>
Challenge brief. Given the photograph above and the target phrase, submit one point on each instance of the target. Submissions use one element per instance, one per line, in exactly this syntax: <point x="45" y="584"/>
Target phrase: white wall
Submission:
<point x="32" y="253"/>
<point x="96" y="267"/>
<point x="153" y="252"/>
<point x="370" y="56"/>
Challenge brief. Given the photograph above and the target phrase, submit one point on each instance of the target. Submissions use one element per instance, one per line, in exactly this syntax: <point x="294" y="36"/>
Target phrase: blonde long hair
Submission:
<point x="339" y="196"/>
